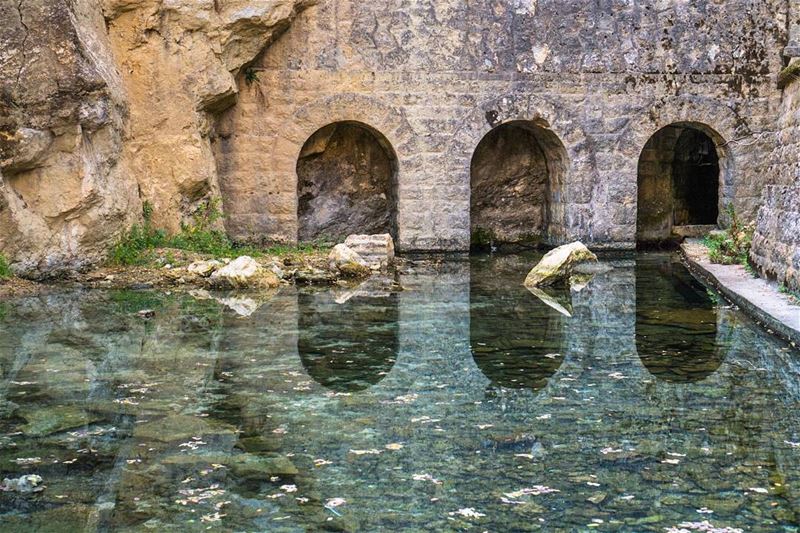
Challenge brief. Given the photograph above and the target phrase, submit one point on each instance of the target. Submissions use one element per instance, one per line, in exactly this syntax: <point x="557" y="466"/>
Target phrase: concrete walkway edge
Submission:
<point x="756" y="297"/>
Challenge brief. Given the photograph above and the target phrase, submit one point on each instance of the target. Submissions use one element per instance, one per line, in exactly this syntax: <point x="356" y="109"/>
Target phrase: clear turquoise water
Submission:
<point x="460" y="403"/>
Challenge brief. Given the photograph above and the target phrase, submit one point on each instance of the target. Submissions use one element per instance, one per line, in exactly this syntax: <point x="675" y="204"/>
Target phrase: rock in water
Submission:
<point x="376" y="250"/>
<point x="242" y="273"/>
<point x="204" y="268"/>
<point x="25" y="484"/>
<point x="347" y="261"/>
<point x="557" y="266"/>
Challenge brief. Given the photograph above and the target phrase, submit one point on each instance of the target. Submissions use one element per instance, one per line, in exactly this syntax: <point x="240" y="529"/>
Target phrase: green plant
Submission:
<point x="5" y="268"/>
<point x="793" y="295"/>
<point x="731" y="246"/>
<point x="202" y="235"/>
<point x="131" y="248"/>
<point x="251" y="76"/>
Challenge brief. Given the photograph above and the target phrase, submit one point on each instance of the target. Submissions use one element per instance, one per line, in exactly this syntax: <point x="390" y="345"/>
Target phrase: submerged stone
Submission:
<point x="181" y="427"/>
<point x="244" y="465"/>
<point x="49" y="420"/>
<point x="24" y="484"/>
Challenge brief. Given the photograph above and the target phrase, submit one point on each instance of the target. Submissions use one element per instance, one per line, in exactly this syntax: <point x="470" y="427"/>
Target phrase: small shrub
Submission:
<point x="5" y="268"/>
<point x="794" y="296"/>
<point x="131" y="248"/>
<point x="201" y="235"/>
<point x="731" y="246"/>
<point x="251" y="76"/>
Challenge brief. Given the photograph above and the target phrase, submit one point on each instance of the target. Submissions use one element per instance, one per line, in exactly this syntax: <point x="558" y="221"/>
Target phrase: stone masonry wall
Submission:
<point x="776" y="243"/>
<point x="434" y="77"/>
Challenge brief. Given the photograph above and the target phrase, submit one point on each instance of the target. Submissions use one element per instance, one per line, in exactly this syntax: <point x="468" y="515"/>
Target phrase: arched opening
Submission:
<point x="350" y="346"/>
<point x="347" y="183"/>
<point x="679" y="183"/>
<point x="676" y="322"/>
<point x="516" y="176"/>
<point x="517" y="341"/>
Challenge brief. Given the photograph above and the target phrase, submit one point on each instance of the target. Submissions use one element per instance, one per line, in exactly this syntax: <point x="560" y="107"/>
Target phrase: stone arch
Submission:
<point x="679" y="182"/>
<point x="516" y="175"/>
<point x="387" y="123"/>
<point x="721" y="123"/>
<point x="576" y="169"/>
<point x="347" y="183"/>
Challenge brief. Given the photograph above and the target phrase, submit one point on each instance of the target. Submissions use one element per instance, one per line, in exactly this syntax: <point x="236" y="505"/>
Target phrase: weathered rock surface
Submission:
<point x="776" y="242"/>
<point x="558" y="265"/>
<point x="347" y="261"/>
<point x="105" y="104"/>
<point x="376" y="250"/>
<point x="204" y="268"/>
<point x="24" y="484"/>
<point x="64" y="193"/>
<point x="243" y="273"/>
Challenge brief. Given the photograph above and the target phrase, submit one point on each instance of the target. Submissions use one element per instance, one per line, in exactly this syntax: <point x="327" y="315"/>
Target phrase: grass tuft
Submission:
<point x="5" y="268"/>
<point x="732" y="246"/>
<point x="794" y="296"/>
<point x="137" y="247"/>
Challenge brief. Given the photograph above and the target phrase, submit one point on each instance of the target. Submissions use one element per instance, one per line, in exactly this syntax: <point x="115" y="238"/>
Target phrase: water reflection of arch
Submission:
<point x="517" y="341"/>
<point x="347" y="345"/>
<point x="677" y="338"/>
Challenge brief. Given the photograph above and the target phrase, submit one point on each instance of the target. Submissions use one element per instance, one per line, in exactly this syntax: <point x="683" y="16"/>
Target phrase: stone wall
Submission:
<point x="435" y="77"/>
<point x="776" y="243"/>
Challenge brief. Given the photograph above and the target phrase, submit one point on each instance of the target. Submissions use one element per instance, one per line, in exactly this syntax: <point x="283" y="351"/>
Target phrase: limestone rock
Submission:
<point x="48" y="420"/>
<point x="25" y="484"/>
<point x="376" y="250"/>
<point x="242" y="273"/>
<point x="347" y="261"/>
<point x="106" y="103"/>
<point x="557" y="266"/>
<point x="204" y="268"/>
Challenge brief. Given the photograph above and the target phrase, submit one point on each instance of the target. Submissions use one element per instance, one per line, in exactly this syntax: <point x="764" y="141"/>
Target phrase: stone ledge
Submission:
<point x="757" y="297"/>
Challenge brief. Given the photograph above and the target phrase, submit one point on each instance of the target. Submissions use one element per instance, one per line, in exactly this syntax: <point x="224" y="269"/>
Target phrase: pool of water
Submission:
<point x="447" y="399"/>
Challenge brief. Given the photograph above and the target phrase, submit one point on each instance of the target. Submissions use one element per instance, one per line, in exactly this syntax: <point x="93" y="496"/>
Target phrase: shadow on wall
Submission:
<point x="679" y="183"/>
<point x="676" y="323"/>
<point x="347" y="183"/>
<point x="517" y="174"/>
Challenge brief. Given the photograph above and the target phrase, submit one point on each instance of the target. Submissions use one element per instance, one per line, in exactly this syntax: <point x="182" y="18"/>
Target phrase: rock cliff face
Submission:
<point x="106" y="104"/>
<point x="64" y="192"/>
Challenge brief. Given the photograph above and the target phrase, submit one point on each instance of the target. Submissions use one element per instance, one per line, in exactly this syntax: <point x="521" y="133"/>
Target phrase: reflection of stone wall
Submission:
<point x="436" y="77"/>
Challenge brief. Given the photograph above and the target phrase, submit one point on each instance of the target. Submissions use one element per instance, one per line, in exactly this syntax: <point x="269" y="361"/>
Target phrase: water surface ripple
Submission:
<point x="461" y="403"/>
